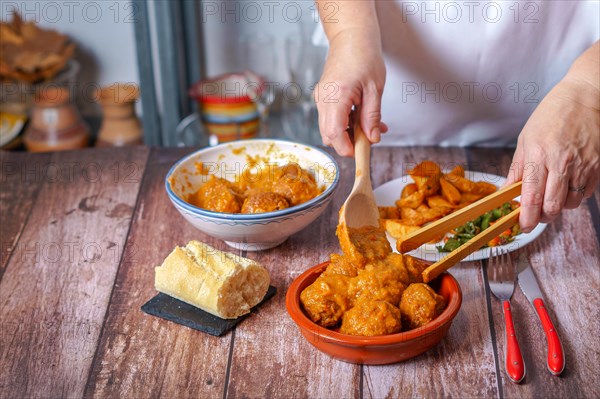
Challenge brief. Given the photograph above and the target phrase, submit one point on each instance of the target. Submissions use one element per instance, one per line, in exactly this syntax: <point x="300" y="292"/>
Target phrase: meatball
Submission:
<point x="415" y="268"/>
<point x="379" y="283"/>
<point x="326" y="300"/>
<point x="341" y="265"/>
<point x="264" y="202"/>
<point x="295" y="184"/>
<point x="217" y="195"/>
<point x="397" y="263"/>
<point x="369" y="318"/>
<point x="420" y="305"/>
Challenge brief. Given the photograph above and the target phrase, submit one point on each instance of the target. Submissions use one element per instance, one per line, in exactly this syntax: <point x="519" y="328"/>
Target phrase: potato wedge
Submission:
<point x="440" y="202"/>
<point x="423" y="208"/>
<point x="427" y="214"/>
<point x="419" y="181"/>
<point x="428" y="185"/>
<point x="458" y="170"/>
<point x="484" y="188"/>
<point x="426" y="169"/>
<point x="408" y="190"/>
<point x="431" y="214"/>
<point x="397" y="229"/>
<point x="412" y="201"/>
<point x="463" y="185"/>
<point x="388" y="212"/>
<point x="449" y="192"/>
<point x="411" y="217"/>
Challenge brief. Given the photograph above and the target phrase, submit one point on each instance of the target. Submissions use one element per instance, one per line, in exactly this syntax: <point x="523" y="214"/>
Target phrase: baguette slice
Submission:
<point x="220" y="283"/>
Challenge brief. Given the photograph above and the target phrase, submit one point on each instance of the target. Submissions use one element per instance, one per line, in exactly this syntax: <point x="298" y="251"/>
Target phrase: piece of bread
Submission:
<point x="221" y="283"/>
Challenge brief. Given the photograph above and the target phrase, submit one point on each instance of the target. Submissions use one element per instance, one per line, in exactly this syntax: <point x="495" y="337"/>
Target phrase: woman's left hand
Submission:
<point x="558" y="152"/>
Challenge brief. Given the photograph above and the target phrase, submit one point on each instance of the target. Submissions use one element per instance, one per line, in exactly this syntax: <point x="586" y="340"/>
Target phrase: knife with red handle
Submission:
<point x="531" y="289"/>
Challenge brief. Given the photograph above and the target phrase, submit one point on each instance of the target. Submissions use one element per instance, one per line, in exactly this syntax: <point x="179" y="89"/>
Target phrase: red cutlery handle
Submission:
<point x="515" y="366"/>
<point x="556" y="358"/>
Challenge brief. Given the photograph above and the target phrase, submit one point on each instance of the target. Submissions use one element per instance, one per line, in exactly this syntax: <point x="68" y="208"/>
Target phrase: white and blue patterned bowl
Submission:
<point x="251" y="232"/>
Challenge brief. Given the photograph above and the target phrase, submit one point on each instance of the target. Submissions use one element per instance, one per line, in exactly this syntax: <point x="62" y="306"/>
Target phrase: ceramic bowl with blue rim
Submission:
<point x="251" y="232"/>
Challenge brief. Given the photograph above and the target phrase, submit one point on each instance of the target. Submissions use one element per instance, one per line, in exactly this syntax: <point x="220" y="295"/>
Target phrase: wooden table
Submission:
<point x="81" y="235"/>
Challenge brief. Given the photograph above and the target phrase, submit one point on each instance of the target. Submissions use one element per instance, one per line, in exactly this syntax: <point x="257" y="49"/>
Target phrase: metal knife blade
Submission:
<point x="527" y="280"/>
<point x="531" y="289"/>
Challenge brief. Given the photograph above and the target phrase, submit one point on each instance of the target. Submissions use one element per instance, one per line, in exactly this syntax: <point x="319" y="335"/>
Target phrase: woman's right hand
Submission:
<point x="354" y="74"/>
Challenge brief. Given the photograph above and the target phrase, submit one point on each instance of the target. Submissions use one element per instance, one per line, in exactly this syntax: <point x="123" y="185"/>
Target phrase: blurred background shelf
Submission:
<point x="165" y="47"/>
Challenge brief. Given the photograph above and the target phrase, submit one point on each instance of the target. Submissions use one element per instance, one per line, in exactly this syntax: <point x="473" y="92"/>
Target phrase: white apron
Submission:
<point x="465" y="73"/>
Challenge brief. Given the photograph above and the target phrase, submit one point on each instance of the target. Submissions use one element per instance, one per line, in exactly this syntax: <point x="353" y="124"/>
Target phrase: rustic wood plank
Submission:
<point x="467" y="349"/>
<point x="21" y="177"/>
<point x="565" y="261"/>
<point x="270" y="357"/>
<point x="56" y="287"/>
<point x="141" y="355"/>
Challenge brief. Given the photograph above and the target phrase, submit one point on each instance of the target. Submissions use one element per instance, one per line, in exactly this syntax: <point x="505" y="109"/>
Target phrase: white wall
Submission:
<point x="103" y="31"/>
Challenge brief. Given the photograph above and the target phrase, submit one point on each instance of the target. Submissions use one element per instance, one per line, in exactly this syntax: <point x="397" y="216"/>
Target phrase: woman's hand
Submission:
<point x="354" y="74"/>
<point x="558" y="152"/>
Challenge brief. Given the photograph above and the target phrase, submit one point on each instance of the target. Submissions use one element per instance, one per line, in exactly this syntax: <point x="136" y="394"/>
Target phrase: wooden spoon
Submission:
<point x="360" y="208"/>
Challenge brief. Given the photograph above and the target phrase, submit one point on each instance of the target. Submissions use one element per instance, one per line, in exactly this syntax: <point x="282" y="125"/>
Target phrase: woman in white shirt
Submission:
<point x="473" y="73"/>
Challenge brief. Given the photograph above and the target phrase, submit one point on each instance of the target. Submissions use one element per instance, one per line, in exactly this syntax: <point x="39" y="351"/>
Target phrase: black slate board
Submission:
<point x="172" y="309"/>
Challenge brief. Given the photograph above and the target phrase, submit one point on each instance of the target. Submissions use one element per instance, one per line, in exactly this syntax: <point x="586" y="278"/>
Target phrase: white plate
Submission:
<point x="388" y="193"/>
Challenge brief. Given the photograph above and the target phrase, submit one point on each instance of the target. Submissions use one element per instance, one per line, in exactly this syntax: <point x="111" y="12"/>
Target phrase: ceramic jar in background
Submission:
<point x="227" y="106"/>
<point x="55" y="122"/>
<point x="120" y="126"/>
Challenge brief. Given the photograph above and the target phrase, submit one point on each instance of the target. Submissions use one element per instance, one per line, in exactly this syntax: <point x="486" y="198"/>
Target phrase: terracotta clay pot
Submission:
<point x="55" y="123"/>
<point x="381" y="349"/>
<point x="120" y="126"/>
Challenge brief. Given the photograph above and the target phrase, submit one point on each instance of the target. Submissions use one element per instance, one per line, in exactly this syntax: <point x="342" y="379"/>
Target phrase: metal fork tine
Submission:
<point x="514" y="269"/>
<point x="504" y="266"/>
<point x="492" y="263"/>
<point x="510" y="266"/>
<point x="501" y="267"/>
<point x="497" y="265"/>
<point x="505" y="271"/>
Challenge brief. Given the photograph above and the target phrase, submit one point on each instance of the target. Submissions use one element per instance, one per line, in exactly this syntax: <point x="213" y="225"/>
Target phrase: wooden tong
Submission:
<point x="460" y="217"/>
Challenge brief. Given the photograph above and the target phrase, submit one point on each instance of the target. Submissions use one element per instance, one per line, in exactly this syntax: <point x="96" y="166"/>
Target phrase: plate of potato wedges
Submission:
<point x="429" y="192"/>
